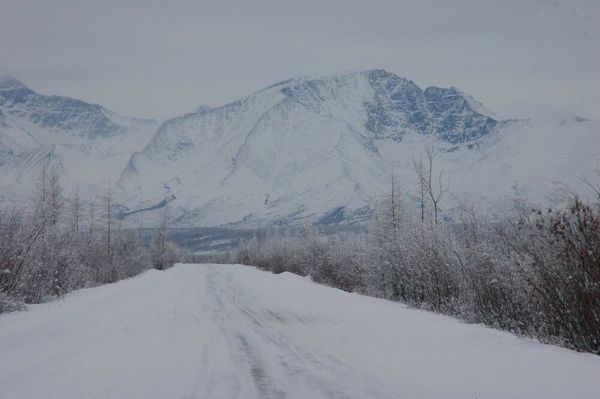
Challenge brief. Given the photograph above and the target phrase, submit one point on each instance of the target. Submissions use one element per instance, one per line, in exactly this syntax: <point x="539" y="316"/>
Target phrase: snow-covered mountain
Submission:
<point x="86" y="143"/>
<point x="318" y="148"/>
<point x="322" y="148"/>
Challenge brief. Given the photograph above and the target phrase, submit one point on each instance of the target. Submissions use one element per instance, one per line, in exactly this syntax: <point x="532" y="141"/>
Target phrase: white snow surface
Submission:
<point x="312" y="149"/>
<point x="277" y="157"/>
<point x="231" y="331"/>
<point x="86" y="144"/>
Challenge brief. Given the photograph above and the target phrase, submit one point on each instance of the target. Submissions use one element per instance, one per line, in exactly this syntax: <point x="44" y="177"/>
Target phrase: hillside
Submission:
<point x="87" y="144"/>
<point x="319" y="149"/>
<point x="323" y="148"/>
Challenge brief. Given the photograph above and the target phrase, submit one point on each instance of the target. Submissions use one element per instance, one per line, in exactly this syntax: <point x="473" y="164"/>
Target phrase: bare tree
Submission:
<point x="108" y="208"/>
<point x="394" y="208"/>
<point x="91" y="221"/>
<point x="418" y="168"/>
<point x="434" y="189"/>
<point x="75" y="213"/>
<point x="593" y="183"/>
<point x="159" y="242"/>
<point x="54" y="197"/>
<point x="18" y="239"/>
<point x="41" y="254"/>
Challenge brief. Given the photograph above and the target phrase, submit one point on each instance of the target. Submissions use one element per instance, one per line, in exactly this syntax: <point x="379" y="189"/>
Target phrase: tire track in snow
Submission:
<point x="277" y="366"/>
<point x="227" y="332"/>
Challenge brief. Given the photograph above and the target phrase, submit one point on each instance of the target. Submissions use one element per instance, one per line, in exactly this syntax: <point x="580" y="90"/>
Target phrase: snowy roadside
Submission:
<point x="214" y="331"/>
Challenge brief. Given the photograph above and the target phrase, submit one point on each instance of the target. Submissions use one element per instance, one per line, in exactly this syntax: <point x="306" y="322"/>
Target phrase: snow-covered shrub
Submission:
<point x="57" y="247"/>
<point x="564" y="250"/>
<point x="8" y="304"/>
<point x="536" y="273"/>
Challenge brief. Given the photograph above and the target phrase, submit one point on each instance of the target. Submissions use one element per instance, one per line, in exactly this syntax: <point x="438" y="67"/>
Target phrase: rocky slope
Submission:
<point x="323" y="148"/>
<point x="86" y="143"/>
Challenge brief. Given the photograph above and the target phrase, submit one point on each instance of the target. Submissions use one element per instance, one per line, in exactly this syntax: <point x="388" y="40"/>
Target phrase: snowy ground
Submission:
<point x="208" y="331"/>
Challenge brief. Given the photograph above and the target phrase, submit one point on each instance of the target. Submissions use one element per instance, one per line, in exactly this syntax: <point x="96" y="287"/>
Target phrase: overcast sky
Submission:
<point x="151" y="58"/>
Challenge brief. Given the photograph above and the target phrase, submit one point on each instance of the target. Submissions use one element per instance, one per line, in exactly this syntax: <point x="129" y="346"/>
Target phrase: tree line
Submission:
<point x="61" y="243"/>
<point x="536" y="273"/>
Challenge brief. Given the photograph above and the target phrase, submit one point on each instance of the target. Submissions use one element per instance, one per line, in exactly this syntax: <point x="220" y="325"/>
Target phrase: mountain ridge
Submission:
<point x="303" y="148"/>
<point x="40" y="131"/>
<point x="317" y="148"/>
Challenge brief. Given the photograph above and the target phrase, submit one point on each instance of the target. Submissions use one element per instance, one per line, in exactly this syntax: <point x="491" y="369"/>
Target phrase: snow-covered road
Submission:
<point x="209" y="331"/>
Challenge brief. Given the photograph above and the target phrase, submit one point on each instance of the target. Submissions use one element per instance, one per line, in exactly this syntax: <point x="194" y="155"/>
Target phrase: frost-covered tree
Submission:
<point x="43" y="254"/>
<point x="431" y="184"/>
<point x="536" y="273"/>
<point x="159" y="246"/>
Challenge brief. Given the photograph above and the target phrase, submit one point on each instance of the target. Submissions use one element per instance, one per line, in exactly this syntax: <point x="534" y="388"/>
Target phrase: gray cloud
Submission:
<point x="163" y="58"/>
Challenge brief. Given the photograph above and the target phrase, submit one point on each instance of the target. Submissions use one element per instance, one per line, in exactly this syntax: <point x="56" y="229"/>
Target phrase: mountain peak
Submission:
<point x="8" y="82"/>
<point x="202" y="109"/>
